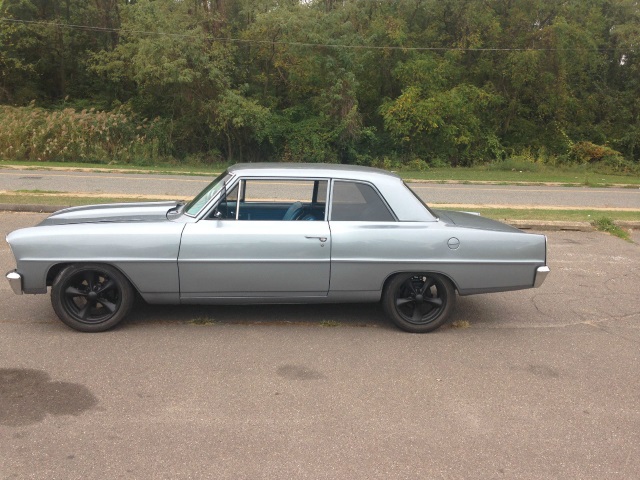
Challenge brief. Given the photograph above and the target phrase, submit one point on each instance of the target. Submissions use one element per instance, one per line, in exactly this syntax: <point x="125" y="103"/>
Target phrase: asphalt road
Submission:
<point x="542" y="384"/>
<point x="188" y="186"/>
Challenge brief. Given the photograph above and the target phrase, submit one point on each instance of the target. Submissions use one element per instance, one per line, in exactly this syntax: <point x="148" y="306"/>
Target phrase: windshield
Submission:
<point x="207" y="194"/>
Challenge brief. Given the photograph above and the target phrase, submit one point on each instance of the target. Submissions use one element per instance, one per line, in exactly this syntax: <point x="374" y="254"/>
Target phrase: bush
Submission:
<point x="601" y="159"/>
<point x="437" y="162"/>
<point x="387" y="163"/>
<point x="416" y="165"/>
<point x="587" y="152"/>
<point x="35" y="134"/>
<point x="615" y="165"/>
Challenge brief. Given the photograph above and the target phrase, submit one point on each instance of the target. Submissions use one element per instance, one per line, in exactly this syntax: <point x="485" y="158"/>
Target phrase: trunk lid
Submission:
<point x="470" y="220"/>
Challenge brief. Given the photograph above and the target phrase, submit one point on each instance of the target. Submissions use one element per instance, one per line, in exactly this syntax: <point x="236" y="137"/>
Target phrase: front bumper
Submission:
<point x="15" y="280"/>
<point x="541" y="274"/>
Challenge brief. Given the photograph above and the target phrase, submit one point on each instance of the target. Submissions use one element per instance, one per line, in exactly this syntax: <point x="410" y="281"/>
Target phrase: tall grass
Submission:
<point x="35" y="134"/>
<point x="586" y="157"/>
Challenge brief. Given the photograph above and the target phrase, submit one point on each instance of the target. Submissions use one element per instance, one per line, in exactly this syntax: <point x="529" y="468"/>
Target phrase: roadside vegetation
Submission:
<point x="514" y="89"/>
<point x="607" y="224"/>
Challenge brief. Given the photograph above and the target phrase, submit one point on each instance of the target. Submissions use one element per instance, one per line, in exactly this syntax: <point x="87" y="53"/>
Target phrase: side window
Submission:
<point x="274" y="200"/>
<point x="358" y="202"/>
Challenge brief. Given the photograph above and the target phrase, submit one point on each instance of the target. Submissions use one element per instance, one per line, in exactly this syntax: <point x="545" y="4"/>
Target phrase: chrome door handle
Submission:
<point x="322" y="239"/>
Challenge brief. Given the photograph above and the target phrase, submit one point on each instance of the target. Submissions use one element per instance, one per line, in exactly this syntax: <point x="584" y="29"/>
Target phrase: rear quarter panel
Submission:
<point x="364" y="255"/>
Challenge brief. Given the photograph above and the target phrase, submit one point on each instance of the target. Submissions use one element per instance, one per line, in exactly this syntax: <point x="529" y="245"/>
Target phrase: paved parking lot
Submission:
<point x="535" y="384"/>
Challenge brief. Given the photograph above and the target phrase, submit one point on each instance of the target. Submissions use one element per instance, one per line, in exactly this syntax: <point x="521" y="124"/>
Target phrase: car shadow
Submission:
<point x="314" y="315"/>
<point x="468" y="312"/>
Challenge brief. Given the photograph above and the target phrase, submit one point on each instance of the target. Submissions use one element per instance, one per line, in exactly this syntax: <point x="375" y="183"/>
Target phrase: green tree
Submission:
<point x="168" y="64"/>
<point x="441" y="121"/>
<point x="42" y="59"/>
<point x="462" y="81"/>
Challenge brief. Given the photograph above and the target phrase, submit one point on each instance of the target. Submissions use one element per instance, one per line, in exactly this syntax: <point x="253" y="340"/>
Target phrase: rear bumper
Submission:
<point x="15" y="280"/>
<point x="541" y="274"/>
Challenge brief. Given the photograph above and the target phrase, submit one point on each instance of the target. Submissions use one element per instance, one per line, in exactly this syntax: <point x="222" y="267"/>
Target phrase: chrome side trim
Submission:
<point x="541" y="274"/>
<point x="15" y="280"/>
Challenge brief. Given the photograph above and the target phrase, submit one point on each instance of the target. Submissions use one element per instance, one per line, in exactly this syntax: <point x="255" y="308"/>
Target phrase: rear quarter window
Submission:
<point x="358" y="202"/>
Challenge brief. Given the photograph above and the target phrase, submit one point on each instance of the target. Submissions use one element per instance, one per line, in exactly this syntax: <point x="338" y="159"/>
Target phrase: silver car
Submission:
<point x="274" y="233"/>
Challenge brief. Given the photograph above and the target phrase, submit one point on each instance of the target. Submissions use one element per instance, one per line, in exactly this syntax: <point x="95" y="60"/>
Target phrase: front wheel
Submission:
<point x="91" y="297"/>
<point x="419" y="302"/>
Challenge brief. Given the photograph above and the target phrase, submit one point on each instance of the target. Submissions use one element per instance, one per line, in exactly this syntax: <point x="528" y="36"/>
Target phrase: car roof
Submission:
<point x="355" y="172"/>
<point x="404" y="203"/>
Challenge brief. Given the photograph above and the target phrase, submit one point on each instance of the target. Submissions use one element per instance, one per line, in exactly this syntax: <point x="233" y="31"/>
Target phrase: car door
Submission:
<point x="367" y="241"/>
<point x="272" y="241"/>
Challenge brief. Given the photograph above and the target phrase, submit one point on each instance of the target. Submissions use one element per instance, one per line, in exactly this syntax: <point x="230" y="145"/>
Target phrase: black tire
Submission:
<point x="91" y="297"/>
<point x="419" y="302"/>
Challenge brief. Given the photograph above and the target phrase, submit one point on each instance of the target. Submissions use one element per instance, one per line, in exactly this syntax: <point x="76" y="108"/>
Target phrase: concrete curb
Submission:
<point x="628" y="224"/>
<point x="549" y="226"/>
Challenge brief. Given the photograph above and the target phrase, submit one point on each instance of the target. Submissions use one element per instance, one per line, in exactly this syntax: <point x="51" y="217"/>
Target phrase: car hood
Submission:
<point x="472" y="220"/>
<point x="115" y="212"/>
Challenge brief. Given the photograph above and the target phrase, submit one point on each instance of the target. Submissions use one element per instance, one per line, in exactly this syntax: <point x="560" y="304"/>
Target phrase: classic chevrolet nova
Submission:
<point x="274" y="233"/>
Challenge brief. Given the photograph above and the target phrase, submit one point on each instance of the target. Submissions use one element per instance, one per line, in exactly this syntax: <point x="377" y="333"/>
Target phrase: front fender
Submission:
<point x="144" y="252"/>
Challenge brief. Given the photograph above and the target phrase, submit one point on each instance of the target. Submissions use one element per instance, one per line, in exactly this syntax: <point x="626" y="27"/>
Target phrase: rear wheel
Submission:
<point x="419" y="302"/>
<point x="91" y="297"/>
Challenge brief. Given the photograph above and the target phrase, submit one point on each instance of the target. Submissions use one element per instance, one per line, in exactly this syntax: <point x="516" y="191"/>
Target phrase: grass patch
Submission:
<point x="555" y="215"/>
<point x="566" y="176"/>
<point x="165" y="168"/>
<point x="203" y="321"/>
<point x="543" y="174"/>
<point x="39" y="191"/>
<point x="63" y="200"/>
<point x="329" y="323"/>
<point x="605" y="224"/>
<point x="461" y="324"/>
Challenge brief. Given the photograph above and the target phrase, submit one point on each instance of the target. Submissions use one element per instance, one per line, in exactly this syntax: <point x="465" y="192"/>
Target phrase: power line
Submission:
<point x="299" y="44"/>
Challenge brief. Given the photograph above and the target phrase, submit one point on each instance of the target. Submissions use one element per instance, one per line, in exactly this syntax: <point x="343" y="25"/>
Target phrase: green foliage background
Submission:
<point x="393" y="82"/>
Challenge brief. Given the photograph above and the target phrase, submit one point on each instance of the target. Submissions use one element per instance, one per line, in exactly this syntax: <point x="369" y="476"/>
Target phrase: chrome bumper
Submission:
<point x="541" y="274"/>
<point x="15" y="280"/>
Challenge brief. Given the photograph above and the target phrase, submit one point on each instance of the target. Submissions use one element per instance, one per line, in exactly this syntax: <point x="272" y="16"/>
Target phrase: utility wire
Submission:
<point x="298" y="44"/>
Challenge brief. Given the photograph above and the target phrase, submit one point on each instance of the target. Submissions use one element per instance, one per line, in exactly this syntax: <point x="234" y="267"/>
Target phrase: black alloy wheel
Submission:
<point x="91" y="298"/>
<point x="419" y="302"/>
